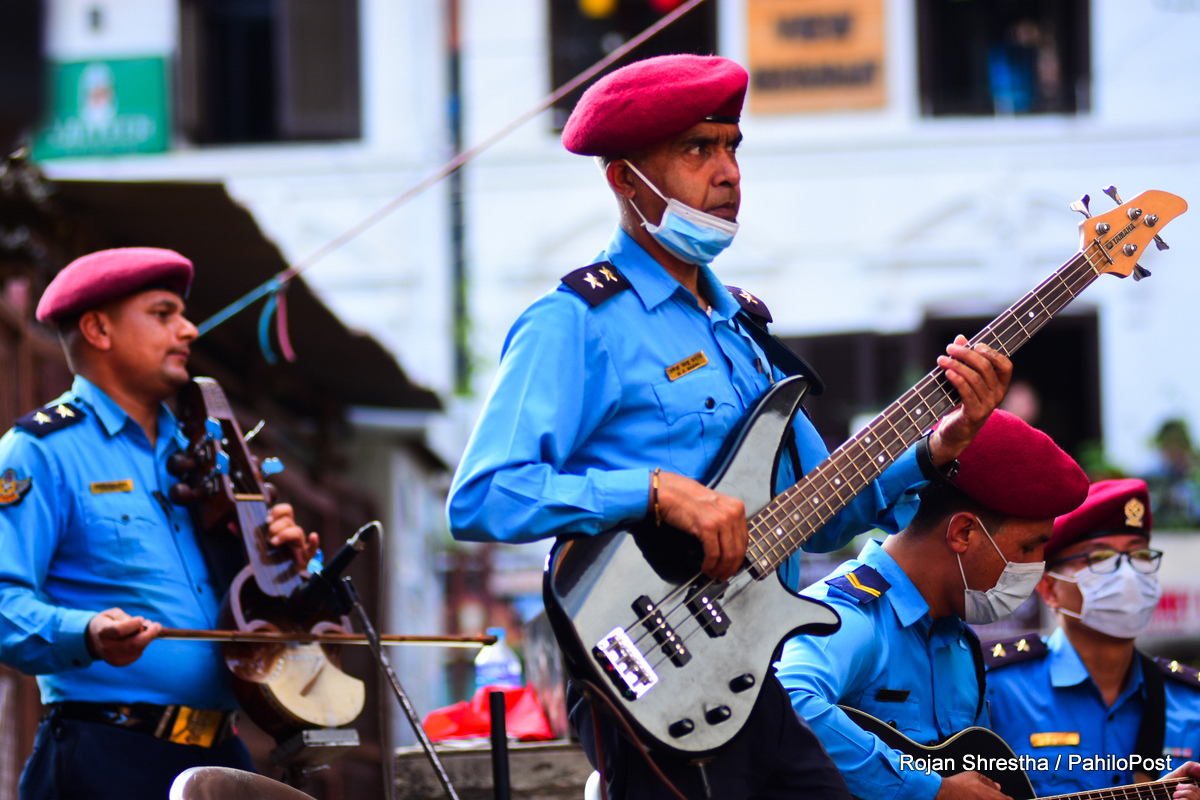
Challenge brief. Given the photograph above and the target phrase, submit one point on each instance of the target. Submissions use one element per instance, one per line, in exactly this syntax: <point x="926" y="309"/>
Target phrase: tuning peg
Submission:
<point x="222" y="463"/>
<point x="1140" y="272"/>
<point x="1081" y="205"/>
<point x="1150" y="221"/>
<point x="270" y="466"/>
<point x="212" y="429"/>
<point x="254" y="432"/>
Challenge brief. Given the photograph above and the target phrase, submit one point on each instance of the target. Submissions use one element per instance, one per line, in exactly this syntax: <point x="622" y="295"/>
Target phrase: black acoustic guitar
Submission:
<point x="982" y="751"/>
<point x="683" y="657"/>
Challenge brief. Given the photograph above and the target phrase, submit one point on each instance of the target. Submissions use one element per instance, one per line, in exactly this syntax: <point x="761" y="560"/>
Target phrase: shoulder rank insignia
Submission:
<point x="864" y="584"/>
<point x="1027" y="647"/>
<point x="751" y="304"/>
<point x="1180" y="672"/>
<point x="596" y="283"/>
<point x="12" y="488"/>
<point x="50" y="419"/>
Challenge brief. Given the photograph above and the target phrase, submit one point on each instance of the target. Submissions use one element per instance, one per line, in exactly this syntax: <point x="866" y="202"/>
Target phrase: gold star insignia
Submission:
<point x="41" y="418"/>
<point x="1175" y="666"/>
<point x="591" y="279"/>
<point x="749" y="298"/>
<point x="998" y="651"/>
<point x="1023" y="646"/>
<point x="607" y="273"/>
<point x="64" y="412"/>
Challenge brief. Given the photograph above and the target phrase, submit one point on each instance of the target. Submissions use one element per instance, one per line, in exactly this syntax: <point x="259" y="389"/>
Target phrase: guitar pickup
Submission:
<point x="624" y="664"/>
<point x="708" y="613"/>
<point x="670" y="642"/>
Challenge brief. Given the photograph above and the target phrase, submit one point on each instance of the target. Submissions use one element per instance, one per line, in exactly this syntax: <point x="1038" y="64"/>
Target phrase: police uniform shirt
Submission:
<point x="889" y="659"/>
<point x="84" y="533"/>
<point x="588" y="400"/>
<point x="1049" y="707"/>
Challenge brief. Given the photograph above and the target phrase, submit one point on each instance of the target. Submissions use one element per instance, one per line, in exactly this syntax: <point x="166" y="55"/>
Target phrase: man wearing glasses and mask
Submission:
<point x="1087" y="691"/>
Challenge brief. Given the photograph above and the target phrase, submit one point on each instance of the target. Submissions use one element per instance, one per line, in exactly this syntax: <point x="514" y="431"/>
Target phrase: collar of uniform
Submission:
<point x="111" y="415"/>
<point x="910" y="606"/>
<point x="651" y="281"/>
<point x="1066" y="668"/>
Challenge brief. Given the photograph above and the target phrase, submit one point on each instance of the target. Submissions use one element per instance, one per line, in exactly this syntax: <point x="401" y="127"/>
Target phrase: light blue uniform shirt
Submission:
<point x="887" y="643"/>
<point x="582" y="411"/>
<point x="1055" y="694"/>
<point x="67" y="552"/>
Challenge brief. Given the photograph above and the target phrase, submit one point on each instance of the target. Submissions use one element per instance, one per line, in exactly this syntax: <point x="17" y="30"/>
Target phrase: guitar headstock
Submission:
<point x="1113" y="242"/>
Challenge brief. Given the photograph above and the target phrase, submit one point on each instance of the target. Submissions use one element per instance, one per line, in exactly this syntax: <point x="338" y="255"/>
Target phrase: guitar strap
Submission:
<point x="1152" y="731"/>
<point x="980" y="667"/>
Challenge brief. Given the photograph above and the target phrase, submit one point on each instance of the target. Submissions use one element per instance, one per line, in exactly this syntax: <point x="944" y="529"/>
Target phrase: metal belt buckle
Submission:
<point x="196" y="727"/>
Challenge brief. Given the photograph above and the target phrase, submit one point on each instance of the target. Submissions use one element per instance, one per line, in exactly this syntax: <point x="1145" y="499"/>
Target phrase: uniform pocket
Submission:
<point x="125" y="534"/>
<point x="699" y="410"/>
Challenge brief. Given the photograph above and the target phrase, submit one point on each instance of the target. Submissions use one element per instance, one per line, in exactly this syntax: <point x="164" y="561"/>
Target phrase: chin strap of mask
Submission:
<point x="1152" y="731"/>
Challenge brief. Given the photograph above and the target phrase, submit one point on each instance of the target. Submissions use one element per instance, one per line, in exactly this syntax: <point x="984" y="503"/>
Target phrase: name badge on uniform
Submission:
<point x="1055" y="739"/>
<point x="689" y="364"/>
<point x="112" y="487"/>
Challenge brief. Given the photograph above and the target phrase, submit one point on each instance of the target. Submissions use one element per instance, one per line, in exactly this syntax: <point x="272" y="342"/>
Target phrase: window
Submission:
<point x="269" y="70"/>
<point x="1003" y="57"/>
<point x="584" y="31"/>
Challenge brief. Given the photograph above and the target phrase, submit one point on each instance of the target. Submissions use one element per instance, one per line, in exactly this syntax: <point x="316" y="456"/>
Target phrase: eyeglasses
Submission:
<point x="1106" y="561"/>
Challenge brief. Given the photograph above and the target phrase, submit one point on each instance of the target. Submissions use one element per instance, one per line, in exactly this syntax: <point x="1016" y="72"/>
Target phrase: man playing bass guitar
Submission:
<point x="616" y="391"/>
<point x="96" y="560"/>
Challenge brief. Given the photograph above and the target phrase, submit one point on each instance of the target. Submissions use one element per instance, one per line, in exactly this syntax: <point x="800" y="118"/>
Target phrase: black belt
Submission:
<point x="178" y="724"/>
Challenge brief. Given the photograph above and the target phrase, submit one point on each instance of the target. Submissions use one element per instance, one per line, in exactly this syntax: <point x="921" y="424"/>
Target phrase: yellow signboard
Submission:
<point x="815" y="55"/>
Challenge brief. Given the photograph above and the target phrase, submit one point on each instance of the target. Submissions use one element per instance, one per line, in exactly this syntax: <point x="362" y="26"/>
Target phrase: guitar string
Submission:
<point x="1167" y="788"/>
<point x="1070" y="285"/>
<point x="1004" y="335"/>
<point x="1076" y="264"/>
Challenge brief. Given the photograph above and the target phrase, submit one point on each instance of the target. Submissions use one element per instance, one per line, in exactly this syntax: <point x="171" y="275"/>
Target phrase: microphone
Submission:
<point x="310" y="596"/>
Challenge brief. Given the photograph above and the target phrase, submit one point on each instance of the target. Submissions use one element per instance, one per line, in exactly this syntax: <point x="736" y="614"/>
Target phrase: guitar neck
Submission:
<point x="788" y="521"/>
<point x="1158" y="790"/>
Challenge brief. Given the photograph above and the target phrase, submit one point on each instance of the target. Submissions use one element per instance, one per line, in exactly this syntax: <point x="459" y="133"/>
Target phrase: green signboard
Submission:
<point x="105" y="107"/>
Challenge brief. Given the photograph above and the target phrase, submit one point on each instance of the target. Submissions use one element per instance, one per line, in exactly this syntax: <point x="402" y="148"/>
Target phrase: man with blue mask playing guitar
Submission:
<point x="1087" y="693"/>
<point x="617" y="391"/>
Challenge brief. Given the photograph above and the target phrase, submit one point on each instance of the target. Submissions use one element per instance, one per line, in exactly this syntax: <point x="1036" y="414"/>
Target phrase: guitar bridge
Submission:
<point x="670" y="641"/>
<point x="624" y="664"/>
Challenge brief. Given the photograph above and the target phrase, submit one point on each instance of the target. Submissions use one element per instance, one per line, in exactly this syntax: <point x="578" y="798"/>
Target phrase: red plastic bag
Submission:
<point x="523" y="717"/>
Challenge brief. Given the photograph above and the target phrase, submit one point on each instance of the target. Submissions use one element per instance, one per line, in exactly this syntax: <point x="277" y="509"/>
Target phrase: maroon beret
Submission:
<point x="650" y="101"/>
<point x="1112" y="507"/>
<point x="1018" y="471"/>
<point x="98" y="278"/>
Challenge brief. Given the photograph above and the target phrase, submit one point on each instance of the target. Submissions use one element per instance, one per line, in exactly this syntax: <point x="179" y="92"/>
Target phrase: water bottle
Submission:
<point x="497" y="664"/>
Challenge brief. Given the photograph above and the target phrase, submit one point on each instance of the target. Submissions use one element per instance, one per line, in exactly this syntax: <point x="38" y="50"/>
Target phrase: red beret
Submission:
<point x="1112" y="507"/>
<point x="650" y="101"/>
<point x="1018" y="471"/>
<point x="98" y="278"/>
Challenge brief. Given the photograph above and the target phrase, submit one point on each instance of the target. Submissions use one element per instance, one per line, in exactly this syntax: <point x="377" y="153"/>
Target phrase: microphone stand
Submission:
<point x="346" y="601"/>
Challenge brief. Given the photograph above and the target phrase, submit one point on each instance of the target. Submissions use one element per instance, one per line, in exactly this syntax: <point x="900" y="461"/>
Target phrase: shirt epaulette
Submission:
<point x="1180" y="672"/>
<point x="864" y="584"/>
<point x="751" y="304"/>
<point x="50" y="419"/>
<point x="1026" y="647"/>
<point x="596" y="283"/>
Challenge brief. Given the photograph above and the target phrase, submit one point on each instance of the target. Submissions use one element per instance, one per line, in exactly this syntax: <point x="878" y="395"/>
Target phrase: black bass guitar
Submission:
<point x="684" y="657"/>
<point x="982" y="751"/>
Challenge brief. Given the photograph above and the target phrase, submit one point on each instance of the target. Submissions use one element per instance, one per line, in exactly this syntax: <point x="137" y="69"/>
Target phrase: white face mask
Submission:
<point x="693" y="235"/>
<point x="1012" y="589"/>
<point x="1118" y="603"/>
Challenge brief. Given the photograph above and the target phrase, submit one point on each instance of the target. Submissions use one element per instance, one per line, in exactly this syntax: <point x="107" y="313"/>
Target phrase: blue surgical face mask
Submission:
<point x="691" y="234"/>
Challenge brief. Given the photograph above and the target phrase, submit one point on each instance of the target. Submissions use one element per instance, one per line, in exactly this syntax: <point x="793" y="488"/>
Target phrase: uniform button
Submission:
<point x="710" y="403"/>
<point x="124" y="518"/>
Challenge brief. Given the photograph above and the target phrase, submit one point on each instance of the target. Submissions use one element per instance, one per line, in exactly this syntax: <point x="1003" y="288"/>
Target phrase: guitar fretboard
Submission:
<point x="789" y="520"/>
<point x="1159" y="790"/>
